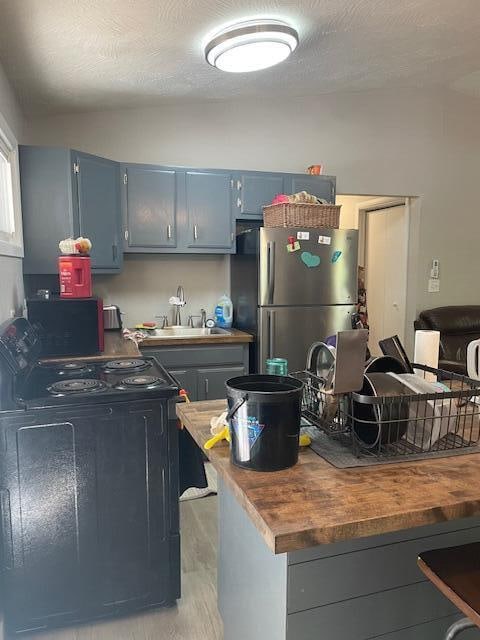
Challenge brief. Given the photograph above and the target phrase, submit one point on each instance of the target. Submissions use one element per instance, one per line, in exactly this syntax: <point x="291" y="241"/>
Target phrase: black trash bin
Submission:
<point x="264" y="419"/>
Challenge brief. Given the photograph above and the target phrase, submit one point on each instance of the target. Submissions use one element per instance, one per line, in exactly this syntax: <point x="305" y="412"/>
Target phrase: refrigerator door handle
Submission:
<point x="271" y="333"/>
<point x="270" y="271"/>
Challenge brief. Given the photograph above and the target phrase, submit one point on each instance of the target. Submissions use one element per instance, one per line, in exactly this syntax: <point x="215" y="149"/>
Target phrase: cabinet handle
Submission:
<point x="169" y="231"/>
<point x="126" y="234"/>
<point x="239" y="185"/>
<point x="239" y="203"/>
<point x="195" y="232"/>
<point x="114" y="252"/>
<point x="270" y="271"/>
<point x="206" y="388"/>
<point x="6" y="529"/>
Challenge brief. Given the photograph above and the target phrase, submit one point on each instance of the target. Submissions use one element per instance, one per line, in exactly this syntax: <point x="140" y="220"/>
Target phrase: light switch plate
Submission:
<point x="433" y="285"/>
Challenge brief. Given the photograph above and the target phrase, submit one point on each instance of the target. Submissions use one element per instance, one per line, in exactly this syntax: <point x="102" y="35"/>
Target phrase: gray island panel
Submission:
<point x="352" y="590"/>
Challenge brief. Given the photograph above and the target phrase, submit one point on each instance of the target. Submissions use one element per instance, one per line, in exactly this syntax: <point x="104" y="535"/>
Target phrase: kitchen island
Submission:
<point x="320" y="553"/>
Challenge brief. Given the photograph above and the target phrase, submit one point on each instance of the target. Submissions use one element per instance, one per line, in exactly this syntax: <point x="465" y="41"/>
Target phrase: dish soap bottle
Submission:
<point x="224" y="312"/>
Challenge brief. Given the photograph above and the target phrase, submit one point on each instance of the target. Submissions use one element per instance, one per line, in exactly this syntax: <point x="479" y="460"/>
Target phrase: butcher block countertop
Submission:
<point x="315" y="503"/>
<point x="116" y="346"/>
<point x="234" y="336"/>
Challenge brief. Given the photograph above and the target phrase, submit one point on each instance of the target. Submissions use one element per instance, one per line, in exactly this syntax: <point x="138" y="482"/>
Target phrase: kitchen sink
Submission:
<point x="186" y="332"/>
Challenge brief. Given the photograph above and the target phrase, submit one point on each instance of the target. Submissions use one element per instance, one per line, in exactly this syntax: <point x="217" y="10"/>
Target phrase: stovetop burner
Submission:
<point x="125" y="365"/>
<point x="67" y="368"/>
<point x="70" y="387"/>
<point x="141" y="382"/>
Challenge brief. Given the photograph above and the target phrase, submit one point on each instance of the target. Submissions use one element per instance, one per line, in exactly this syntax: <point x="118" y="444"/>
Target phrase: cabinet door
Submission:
<point x="87" y="516"/>
<point x="320" y="186"/>
<point x="252" y="191"/>
<point x="47" y="527"/>
<point x="98" y="201"/>
<point x="132" y="508"/>
<point x="187" y="379"/>
<point x="47" y="205"/>
<point x="211" y="381"/>
<point x="208" y="205"/>
<point x="150" y="205"/>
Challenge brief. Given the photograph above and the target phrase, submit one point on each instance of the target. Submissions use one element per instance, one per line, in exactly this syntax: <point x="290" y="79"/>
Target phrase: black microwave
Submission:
<point x="68" y="326"/>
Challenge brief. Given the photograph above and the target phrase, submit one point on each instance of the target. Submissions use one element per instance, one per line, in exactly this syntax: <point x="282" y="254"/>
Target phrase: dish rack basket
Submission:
<point x="397" y="426"/>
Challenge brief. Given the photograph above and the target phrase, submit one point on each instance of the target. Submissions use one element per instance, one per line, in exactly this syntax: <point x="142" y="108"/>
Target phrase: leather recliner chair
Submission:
<point x="458" y="326"/>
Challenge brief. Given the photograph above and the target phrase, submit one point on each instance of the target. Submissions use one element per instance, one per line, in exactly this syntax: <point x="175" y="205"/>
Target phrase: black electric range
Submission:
<point x="89" y="487"/>
<point x="36" y="384"/>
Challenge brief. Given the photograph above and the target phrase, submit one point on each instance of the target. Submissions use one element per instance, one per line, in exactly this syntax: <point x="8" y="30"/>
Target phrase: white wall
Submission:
<point x="404" y="142"/>
<point x="147" y="282"/>
<point x="11" y="282"/>
<point x="349" y="210"/>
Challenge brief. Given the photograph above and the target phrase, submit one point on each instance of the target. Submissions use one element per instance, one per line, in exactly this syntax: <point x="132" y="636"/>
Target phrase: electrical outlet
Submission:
<point x="433" y="285"/>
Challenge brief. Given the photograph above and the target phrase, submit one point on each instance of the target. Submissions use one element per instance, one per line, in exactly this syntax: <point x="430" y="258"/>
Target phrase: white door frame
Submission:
<point x="379" y="204"/>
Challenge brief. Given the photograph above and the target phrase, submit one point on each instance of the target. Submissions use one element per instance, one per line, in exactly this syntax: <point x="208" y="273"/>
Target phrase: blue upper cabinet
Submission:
<point x="140" y="208"/>
<point x="47" y="205"/>
<point x="149" y="203"/>
<point x="208" y="207"/>
<point x="321" y="186"/>
<point x="252" y="190"/>
<point x="98" y="209"/>
<point x="66" y="194"/>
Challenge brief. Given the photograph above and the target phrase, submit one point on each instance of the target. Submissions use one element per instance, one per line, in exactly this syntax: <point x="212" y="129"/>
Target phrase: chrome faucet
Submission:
<point x="203" y="319"/>
<point x="164" y="320"/>
<point x="177" y="319"/>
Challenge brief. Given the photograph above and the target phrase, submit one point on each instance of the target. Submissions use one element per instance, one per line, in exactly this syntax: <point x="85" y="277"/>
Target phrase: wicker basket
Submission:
<point x="302" y="215"/>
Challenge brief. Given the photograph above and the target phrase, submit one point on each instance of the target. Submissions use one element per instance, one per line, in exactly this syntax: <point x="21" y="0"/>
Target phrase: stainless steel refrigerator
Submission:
<point x="289" y="299"/>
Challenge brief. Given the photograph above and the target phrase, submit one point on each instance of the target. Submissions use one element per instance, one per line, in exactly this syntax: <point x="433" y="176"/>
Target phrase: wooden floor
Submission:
<point x="196" y="616"/>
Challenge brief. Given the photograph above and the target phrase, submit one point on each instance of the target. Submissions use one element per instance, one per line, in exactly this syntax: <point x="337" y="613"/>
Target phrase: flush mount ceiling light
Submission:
<point x="251" y="46"/>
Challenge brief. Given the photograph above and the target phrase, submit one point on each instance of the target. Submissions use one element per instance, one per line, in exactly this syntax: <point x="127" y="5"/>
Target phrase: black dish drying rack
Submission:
<point x="388" y="427"/>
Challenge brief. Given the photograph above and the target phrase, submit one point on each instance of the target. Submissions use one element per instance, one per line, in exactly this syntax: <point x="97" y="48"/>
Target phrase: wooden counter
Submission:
<point x="234" y="337"/>
<point x="116" y="346"/>
<point x="315" y="503"/>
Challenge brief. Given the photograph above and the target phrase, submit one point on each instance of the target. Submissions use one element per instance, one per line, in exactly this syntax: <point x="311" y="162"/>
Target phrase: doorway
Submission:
<point x="386" y="251"/>
<point x="384" y="227"/>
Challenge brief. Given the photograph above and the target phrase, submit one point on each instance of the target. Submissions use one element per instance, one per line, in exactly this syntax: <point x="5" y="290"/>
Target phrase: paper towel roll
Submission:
<point x="427" y="345"/>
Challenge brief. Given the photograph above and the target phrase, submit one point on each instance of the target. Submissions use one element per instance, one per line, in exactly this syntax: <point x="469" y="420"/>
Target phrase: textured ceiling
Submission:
<point x="93" y="54"/>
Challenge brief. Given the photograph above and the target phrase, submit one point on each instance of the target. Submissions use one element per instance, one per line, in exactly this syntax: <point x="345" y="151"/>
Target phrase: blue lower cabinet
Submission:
<point x="202" y="370"/>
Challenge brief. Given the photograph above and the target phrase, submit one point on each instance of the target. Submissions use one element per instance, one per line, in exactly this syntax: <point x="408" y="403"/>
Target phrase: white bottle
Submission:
<point x="224" y="312"/>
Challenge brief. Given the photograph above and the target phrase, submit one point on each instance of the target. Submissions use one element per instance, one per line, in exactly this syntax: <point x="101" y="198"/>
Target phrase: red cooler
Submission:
<point x="75" y="276"/>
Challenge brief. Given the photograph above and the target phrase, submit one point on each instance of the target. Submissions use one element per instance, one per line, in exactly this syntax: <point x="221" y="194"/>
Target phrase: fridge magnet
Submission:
<point x="293" y="245"/>
<point x="303" y="235"/>
<point x="324" y="240"/>
<point x="336" y="256"/>
<point x="310" y="259"/>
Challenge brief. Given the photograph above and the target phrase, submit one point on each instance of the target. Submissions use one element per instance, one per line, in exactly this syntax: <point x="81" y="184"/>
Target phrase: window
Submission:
<point x="7" y="216"/>
<point x="10" y="210"/>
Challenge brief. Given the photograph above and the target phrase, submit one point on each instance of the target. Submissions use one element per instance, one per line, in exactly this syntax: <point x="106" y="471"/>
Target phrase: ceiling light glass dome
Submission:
<point x="251" y="46"/>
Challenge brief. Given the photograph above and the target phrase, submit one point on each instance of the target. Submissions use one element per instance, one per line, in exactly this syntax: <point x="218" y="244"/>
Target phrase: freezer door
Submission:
<point x="322" y="272"/>
<point x="288" y="332"/>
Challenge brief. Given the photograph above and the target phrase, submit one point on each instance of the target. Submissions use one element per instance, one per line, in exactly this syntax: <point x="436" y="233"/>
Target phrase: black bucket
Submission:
<point x="264" y="419"/>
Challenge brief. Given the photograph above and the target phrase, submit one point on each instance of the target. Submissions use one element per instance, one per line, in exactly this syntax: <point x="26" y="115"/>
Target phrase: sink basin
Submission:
<point x="185" y="332"/>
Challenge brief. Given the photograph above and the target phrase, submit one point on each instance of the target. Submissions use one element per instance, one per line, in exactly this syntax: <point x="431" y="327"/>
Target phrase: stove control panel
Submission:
<point x="19" y="345"/>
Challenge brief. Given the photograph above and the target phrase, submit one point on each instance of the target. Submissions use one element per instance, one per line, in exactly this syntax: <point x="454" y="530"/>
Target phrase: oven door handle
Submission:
<point x="6" y="529"/>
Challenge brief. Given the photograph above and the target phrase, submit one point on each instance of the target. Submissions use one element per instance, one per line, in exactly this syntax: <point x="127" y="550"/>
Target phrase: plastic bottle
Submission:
<point x="224" y="312"/>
